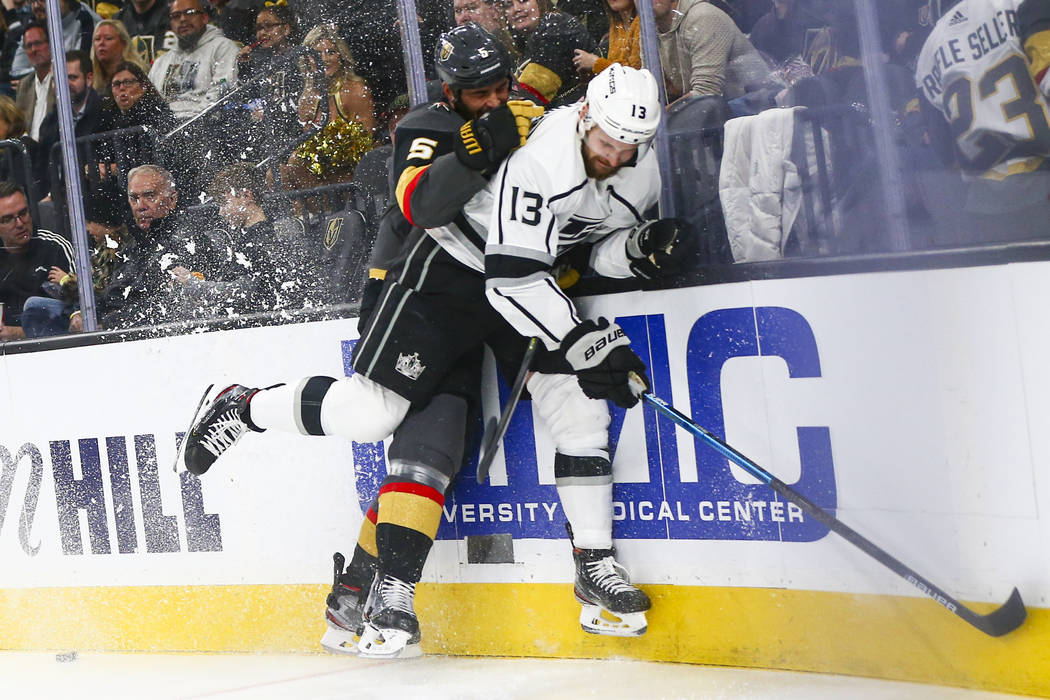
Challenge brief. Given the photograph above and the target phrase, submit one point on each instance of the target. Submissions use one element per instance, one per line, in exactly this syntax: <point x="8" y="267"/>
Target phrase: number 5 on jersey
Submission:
<point x="422" y="149"/>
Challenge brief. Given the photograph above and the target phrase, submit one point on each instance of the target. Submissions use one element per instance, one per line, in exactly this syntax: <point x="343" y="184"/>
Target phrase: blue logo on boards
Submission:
<point x="714" y="506"/>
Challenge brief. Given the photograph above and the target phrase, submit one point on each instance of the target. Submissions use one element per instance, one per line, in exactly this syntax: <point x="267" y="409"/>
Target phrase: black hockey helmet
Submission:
<point x="468" y="57"/>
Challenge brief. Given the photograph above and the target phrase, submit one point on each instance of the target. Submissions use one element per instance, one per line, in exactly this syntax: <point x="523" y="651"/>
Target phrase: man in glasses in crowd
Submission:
<point x="194" y="75"/>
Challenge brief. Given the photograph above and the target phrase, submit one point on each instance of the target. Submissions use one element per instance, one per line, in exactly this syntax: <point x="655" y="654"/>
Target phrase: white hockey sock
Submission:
<point x="589" y="510"/>
<point x="355" y="408"/>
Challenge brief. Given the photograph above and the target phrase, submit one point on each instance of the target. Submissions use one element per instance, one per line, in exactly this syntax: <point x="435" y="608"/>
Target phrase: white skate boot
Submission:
<point x="344" y="609"/>
<point x="611" y="605"/>
<point x="391" y="629"/>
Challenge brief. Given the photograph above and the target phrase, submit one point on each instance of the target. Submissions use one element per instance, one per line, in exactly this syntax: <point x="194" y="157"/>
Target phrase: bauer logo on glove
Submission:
<point x="602" y="360"/>
<point x="611" y="336"/>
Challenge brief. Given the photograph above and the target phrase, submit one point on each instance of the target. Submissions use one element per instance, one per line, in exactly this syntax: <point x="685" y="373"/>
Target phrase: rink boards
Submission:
<point x="913" y="405"/>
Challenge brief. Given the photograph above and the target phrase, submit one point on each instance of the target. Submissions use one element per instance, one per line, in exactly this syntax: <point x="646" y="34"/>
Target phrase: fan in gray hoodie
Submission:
<point x="193" y="76"/>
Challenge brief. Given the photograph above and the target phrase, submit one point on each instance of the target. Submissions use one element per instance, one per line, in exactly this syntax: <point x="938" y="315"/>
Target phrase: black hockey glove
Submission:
<point x="487" y="140"/>
<point x="601" y="357"/>
<point x="657" y="248"/>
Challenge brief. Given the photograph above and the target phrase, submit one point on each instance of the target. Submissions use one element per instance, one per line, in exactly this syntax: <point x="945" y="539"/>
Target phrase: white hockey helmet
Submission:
<point x="625" y="103"/>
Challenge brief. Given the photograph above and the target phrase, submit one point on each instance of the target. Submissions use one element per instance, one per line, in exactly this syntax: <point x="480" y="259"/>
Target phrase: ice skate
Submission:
<point x="611" y="605"/>
<point x="391" y="629"/>
<point x="216" y="427"/>
<point x="344" y="611"/>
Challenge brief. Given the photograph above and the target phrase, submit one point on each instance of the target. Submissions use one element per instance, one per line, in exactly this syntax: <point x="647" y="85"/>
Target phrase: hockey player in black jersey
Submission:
<point x="407" y="381"/>
<point x="420" y="350"/>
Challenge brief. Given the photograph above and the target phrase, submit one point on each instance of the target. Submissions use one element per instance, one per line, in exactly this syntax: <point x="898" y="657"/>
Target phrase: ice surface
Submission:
<point x="237" y="676"/>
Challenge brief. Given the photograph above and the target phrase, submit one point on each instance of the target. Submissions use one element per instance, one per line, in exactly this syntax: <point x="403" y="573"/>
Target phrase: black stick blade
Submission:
<point x="1006" y="618"/>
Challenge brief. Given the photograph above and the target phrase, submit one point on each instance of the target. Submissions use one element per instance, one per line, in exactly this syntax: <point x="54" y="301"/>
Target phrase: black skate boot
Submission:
<point x="391" y="627"/>
<point x="345" y="606"/>
<point x="611" y="605"/>
<point x="217" y="427"/>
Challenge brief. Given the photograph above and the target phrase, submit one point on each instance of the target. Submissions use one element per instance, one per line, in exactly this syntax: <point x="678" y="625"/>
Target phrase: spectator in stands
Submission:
<point x="78" y="22"/>
<point x="548" y="40"/>
<point x="236" y="18"/>
<point x="111" y="45"/>
<point x="591" y="13"/>
<point x="26" y="258"/>
<point x="136" y="102"/>
<point x="243" y="275"/>
<point x="161" y="244"/>
<point x="781" y="32"/>
<point x="147" y="24"/>
<point x="32" y="12"/>
<point x="12" y="120"/>
<point x="36" y="93"/>
<point x="16" y="11"/>
<point x="702" y="52"/>
<point x="330" y="155"/>
<point x="625" y="43"/>
<point x="110" y="252"/>
<point x="285" y="71"/>
<point x="196" y="73"/>
<point x="87" y="110"/>
<point x="837" y="45"/>
<point x="489" y="15"/>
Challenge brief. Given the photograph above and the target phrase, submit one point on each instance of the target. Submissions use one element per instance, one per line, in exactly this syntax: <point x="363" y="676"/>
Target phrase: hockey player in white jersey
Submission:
<point x="598" y="204"/>
<point x="982" y="76"/>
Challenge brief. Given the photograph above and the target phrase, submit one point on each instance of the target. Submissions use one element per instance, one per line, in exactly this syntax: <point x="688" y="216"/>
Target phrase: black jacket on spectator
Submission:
<point x="242" y="273"/>
<point x="780" y="39"/>
<point x="144" y="281"/>
<point x="236" y="19"/>
<point x="148" y="111"/>
<point x="85" y="122"/>
<point x="22" y="274"/>
<point x="283" y="79"/>
<point x="147" y="30"/>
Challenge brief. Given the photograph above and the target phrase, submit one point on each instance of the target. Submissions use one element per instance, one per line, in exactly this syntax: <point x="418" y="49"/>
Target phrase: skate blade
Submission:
<point x="180" y="463"/>
<point x="388" y="644"/>
<point x="340" y="641"/>
<point x="596" y="620"/>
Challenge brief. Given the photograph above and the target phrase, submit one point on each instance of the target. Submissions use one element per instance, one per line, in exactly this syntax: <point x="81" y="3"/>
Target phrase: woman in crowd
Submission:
<point x="329" y="156"/>
<point x="625" y="44"/>
<point x="135" y="101"/>
<point x="286" y="70"/>
<point x="111" y="45"/>
<point x="12" y="120"/>
<point x="547" y="40"/>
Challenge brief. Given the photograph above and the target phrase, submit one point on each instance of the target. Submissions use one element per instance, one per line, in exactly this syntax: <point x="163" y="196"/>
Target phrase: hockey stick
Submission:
<point x="494" y="431"/>
<point x="1005" y="618"/>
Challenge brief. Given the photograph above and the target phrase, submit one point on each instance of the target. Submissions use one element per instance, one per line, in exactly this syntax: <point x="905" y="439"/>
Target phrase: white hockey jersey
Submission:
<point x="973" y="68"/>
<point x="543" y="204"/>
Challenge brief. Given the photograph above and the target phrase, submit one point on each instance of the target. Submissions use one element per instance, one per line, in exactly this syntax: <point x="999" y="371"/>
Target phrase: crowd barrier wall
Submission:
<point x="912" y="404"/>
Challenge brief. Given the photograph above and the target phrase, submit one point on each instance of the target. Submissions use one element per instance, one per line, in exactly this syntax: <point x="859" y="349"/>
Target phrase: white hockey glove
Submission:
<point x="656" y="248"/>
<point x="601" y="357"/>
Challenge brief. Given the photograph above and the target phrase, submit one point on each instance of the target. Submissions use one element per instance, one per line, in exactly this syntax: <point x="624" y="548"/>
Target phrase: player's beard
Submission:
<point x="595" y="167"/>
